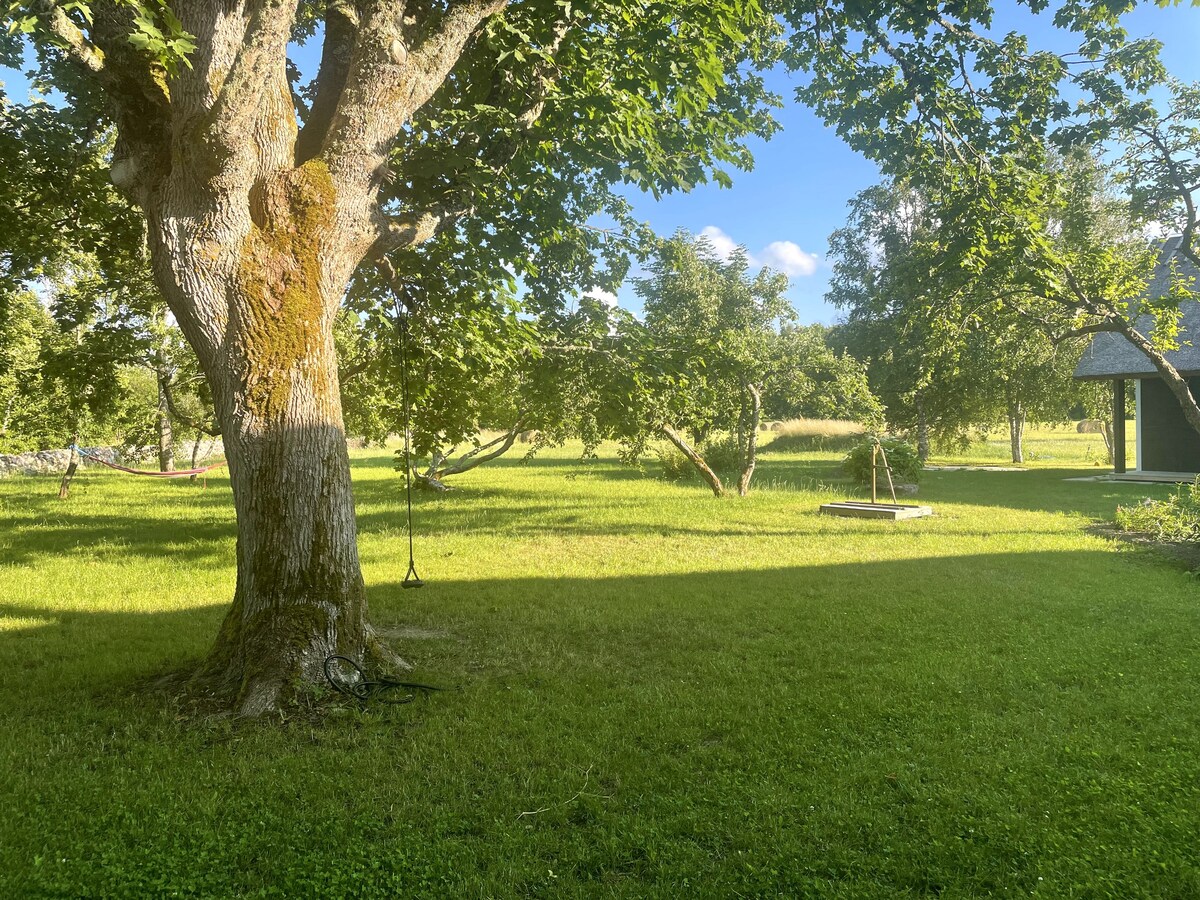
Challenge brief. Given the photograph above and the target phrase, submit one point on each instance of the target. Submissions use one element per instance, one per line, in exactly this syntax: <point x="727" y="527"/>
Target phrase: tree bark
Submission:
<point x="300" y="596"/>
<point x="711" y="477"/>
<point x="166" y="438"/>
<point x="196" y="453"/>
<point x="1016" y="430"/>
<point x="1106" y="433"/>
<point x="750" y="459"/>
<point x="64" y="486"/>
<point x="922" y="433"/>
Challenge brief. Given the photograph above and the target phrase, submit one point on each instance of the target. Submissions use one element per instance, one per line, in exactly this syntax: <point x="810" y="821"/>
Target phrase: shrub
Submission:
<point x="901" y="456"/>
<point x="1175" y="519"/>
<point x="796" y="435"/>
<point x="722" y="453"/>
<point x="676" y="466"/>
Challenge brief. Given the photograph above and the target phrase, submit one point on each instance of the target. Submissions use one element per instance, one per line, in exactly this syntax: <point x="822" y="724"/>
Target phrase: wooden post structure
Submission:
<point x="887" y="469"/>
<point x="1118" y="426"/>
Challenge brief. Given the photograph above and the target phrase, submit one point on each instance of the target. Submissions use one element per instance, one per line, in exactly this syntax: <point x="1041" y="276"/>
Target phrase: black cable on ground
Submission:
<point x="363" y="688"/>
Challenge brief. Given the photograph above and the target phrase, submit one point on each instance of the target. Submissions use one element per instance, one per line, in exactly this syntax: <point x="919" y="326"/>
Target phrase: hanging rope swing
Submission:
<point x="411" y="579"/>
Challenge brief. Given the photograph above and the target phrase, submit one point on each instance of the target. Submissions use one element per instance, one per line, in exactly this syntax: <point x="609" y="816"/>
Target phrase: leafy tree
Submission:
<point x="24" y="330"/>
<point x="87" y="245"/>
<point x="1023" y="375"/>
<point x="948" y="355"/>
<point x="471" y="364"/>
<point x="484" y="132"/>
<point x="809" y="379"/>
<point x="713" y="327"/>
<point x="717" y="347"/>
<point x="930" y="95"/>
<point x="882" y="262"/>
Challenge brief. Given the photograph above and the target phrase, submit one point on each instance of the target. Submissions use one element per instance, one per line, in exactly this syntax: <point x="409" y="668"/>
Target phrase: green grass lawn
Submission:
<point x="662" y="695"/>
<point x="1045" y="446"/>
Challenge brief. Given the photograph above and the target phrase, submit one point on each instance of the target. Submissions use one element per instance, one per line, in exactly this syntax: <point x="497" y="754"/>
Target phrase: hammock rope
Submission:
<point x="411" y="578"/>
<point x="181" y="473"/>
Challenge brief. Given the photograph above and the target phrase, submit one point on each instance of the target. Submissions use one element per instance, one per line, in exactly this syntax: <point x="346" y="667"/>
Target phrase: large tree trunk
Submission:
<point x="300" y="596"/>
<point x="254" y="236"/>
<point x="1016" y="430"/>
<point x="710" y="477"/>
<point x="750" y="458"/>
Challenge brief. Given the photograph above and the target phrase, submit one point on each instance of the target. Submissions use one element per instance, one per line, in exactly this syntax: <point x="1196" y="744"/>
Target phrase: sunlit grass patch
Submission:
<point x="762" y="700"/>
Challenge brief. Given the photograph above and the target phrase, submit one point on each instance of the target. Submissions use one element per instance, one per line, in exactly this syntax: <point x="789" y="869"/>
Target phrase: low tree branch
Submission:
<point x="211" y="428"/>
<point x="711" y="478"/>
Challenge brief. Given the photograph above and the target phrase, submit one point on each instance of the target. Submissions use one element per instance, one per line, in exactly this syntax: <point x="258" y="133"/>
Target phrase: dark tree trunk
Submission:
<point x="706" y="472"/>
<point x="64" y="486"/>
<point x="750" y="459"/>
<point x="166" y="437"/>
<point x="922" y="433"/>
<point x="300" y="595"/>
<point x="1016" y="430"/>
<point x="196" y="453"/>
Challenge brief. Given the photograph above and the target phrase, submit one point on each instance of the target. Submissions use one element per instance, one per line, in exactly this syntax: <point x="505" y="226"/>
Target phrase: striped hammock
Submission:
<point x="182" y="473"/>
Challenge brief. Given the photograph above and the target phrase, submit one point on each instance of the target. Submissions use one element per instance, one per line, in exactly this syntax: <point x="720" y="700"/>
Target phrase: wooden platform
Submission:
<point x="1135" y="476"/>
<point x="860" y="509"/>
<point x="1157" y="477"/>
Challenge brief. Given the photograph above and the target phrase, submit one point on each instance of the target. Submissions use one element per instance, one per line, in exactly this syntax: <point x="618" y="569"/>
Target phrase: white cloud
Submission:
<point x="722" y="243"/>
<point x="783" y="256"/>
<point x="606" y="297"/>
<point x="788" y="258"/>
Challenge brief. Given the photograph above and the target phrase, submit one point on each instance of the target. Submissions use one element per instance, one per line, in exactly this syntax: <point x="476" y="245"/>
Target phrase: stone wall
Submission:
<point x="49" y="462"/>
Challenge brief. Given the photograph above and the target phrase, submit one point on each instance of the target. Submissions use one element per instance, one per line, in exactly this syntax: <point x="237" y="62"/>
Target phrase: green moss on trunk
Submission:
<point x="281" y="270"/>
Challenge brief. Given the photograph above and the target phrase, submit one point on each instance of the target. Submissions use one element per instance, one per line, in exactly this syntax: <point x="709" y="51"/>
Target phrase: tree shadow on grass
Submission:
<point x="971" y="722"/>
<point x="929" y="608"/>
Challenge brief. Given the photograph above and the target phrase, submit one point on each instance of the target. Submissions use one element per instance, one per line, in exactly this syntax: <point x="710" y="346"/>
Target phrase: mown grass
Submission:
<point x="1045" y="446"/>
<point x="662" y="695"/>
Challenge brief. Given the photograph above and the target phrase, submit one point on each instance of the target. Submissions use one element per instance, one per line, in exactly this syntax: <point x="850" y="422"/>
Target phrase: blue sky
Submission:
<point x="785" y="209"/>
<point x="804" y="176"/>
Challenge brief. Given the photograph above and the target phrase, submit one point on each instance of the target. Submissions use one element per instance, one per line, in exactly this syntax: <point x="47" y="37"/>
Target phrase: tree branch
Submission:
<point x="470" y="460"/>
<point x="398" y="63"/>
<point x="212" y="430"/>
<point x="341" y="33"/>
<point x="495" y="153"/>
<point x="73" y="41"/>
